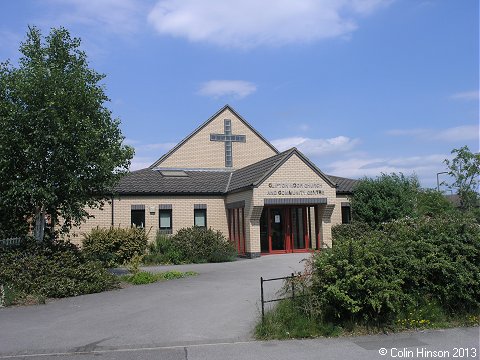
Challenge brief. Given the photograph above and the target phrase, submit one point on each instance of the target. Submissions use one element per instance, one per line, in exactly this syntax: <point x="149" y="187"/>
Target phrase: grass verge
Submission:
<point x="145" y="277"/>
<point x="288" y="321"/>
<point x="12" y="297"/>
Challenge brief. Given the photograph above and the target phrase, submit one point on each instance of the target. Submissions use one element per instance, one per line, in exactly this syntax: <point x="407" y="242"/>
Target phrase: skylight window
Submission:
<point x="173" y="173"/>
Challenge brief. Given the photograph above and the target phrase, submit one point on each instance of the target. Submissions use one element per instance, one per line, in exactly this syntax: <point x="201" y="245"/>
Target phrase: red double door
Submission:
<point x="284" y="229"/>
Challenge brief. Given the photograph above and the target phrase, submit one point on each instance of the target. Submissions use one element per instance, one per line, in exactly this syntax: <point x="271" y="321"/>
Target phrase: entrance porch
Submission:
<point x="287" y="229"/>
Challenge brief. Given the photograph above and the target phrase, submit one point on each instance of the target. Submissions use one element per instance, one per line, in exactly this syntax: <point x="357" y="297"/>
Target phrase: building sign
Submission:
<point x="295" y="188"/>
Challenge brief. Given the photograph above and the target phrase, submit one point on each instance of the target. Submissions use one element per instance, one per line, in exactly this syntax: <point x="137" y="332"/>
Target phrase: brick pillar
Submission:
<point x="253" y="232"/>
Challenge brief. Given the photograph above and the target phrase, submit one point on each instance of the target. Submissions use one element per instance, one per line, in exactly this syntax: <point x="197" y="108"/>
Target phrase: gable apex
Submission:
<point x="252" y="176"/>
<point x="204" y="125"/>
<point x="288" y="154"/>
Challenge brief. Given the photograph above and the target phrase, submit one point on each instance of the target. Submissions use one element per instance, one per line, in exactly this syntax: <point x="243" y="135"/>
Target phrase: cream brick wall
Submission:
<point x="337" y="213"/>
<point x="102" y="219"/>
<point x="249" y="227"/>
<point x="182" y="214"/>
<point x="294" y="170"/>
<point x="200" y="152"/>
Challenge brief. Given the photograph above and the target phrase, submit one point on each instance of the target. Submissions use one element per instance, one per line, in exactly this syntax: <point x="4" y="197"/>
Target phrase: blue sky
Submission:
<point x="361" y="87"/>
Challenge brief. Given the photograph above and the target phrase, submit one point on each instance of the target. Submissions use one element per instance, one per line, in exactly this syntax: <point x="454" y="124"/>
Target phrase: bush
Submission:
<point x="191" y="245"/>
<point x="354" y="230"/>
<point x="114" y="246"/>
<point x="371" y="277"/>
<point x="52" y="269"/>
<point x="433" y="203"/>
<point x="162" y="251"/>
<point x="386" y="198"/>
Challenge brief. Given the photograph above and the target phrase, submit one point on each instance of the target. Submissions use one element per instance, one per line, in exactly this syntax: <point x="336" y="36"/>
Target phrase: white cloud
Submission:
<point x="157" y="146"/>
<point x="147" y="154"/>
<point x="467" y="95"/>
<point x="142" y="162"/>
<point x="316" y="147"/>
<point x="130" y="142"/>
<point x="117" y="16"/>
<point x="458" y="133"/>
<point x="218" y="88"/>
<point x="453" y="134"/>
<point x="425" y="167"/>
<point x="249" y="23"/>
<point x="408" y="132"/>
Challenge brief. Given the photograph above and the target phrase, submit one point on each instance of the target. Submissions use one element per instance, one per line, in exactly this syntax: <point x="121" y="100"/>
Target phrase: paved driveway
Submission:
<point x="221" y="304"/>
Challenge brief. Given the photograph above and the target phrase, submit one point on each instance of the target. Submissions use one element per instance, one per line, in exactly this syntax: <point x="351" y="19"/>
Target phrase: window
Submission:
<point x="138" y="216"/>
<point x="165" y="221"/>
<point x="200" y="217"/>
<point x="346" y="214"/>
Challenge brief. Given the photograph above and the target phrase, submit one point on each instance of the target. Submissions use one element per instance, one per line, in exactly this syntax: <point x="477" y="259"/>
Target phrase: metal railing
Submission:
<point x="262" y="296"/>
<point x="10" y="241"/>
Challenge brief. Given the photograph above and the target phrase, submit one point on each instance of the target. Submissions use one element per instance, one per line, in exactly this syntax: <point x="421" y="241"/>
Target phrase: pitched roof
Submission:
<point x="255" y="174"/>
<point x="152" y="182"/>
<point x="344" y="185"/>
<point x="226" y="107"/>
<point x="248" y="175"/>
<point x="216" y="182"/>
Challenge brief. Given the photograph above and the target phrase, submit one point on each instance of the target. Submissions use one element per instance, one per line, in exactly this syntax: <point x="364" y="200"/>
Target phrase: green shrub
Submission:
<point x="356" y="281"/>
<point x="371" y="277"/>
<point x="114" y="246"/>
<point x="133" y="265"/>
<point x="162" y="251"/>
<point x="441" y="259"/>
<point x="433" y="203"/>
<point x="385" y="198"/>
<point x="191" y="245"/>
<point x="52" y="269"/>
<point x="354" y="230"/>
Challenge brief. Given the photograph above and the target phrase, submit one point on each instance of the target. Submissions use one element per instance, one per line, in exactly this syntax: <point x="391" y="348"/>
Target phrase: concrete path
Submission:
<point x="461" y="343"/>
<point x="219" y="305"/>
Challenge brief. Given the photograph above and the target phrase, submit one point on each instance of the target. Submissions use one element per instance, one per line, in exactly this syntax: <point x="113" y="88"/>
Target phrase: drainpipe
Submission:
<point x="113" y="208"/>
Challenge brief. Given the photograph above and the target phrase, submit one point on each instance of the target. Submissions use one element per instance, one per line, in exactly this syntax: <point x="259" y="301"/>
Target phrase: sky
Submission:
<point x="362" y="87"/>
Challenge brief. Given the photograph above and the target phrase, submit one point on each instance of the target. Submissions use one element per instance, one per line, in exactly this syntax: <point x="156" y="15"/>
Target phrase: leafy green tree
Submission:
<point x="60" y="149"/>
<point x="465" y="170"/>
<point x="433" y="203"/>
<point x="384" y="198"/>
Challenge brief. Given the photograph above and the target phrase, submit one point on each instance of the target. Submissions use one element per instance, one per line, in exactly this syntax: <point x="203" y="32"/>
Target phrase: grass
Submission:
<point x="145" y="277"/>
<point x="10" y="297"/>
<point x="288" y="321"/>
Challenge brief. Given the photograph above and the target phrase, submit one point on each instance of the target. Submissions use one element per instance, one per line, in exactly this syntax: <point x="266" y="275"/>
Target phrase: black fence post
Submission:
<point x="293" y="286"/>
<point x="261" y="295"/>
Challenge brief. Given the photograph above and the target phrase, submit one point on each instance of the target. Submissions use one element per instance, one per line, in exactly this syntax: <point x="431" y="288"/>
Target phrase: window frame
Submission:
<point x="346" y="214"/>
<point x="165" y="230"/>
<point x="204" y="211"/>
<point x="138" y="211"/>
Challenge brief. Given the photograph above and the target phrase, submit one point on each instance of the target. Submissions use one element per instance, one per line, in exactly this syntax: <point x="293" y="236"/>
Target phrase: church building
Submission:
<point x="228" y="177"/>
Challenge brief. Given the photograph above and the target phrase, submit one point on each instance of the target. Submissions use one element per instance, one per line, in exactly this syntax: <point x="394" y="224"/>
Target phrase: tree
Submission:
<point x="385" y="198"/>
<point x="431" y="202"/>
<point x="60" y="149"/>
<point x="465" y="170"/>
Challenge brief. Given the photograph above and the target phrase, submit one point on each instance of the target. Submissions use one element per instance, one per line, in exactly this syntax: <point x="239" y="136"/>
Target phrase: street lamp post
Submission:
<point x="438" y="182"/>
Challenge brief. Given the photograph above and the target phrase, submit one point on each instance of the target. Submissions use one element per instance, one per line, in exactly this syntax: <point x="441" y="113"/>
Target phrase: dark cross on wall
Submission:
<point x="228" y="139"/>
